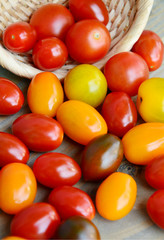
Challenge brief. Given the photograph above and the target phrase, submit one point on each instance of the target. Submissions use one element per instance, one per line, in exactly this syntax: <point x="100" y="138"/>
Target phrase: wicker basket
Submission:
<point x="127" y="19"/>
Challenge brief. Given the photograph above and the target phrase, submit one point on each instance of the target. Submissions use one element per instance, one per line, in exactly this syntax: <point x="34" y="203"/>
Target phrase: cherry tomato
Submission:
<point x="119" y="112"/>
<point x="17" y="187"/>
<point x="101" y="157"/>
<point x="39" y="132"/>
<point x="13" y="238"/>
<point x="125" y="72"/>
<point x="49" y="54"/>
<point x="19" y="37"/>
<point x="52" y="20"/>
<point x="150" y="47"/>
<point x="88" y="41"/>
<point x="80" y="121"/>
<point x="116" y="196"/>
<point x="90" y="9"/>
<point x="11" y="97"/>
<point x="38" y="221"/>
<point x="56" y="169"/>
<point x="155" y="208"/>
<point x="45" y="98"/>
<point x="70" y="201"/>
<point x="12" y="150"/>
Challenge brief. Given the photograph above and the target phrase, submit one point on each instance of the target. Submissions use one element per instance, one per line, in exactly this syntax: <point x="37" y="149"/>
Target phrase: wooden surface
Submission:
<point x="137" y="224"/>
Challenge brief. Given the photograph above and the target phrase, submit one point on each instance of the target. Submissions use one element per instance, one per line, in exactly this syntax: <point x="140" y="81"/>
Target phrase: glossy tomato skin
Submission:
<point x="11" y="97"/>
<point x="38" y="221"/>
<point x="19" y="37"/>
<point x="56" y="169"/>
<point x="12" y="150"/>
<point x="88" y="41"/>
<point x="119" y="112"/>
<point x="101" y="157"/>
<point x="52" y="20"/>
<point x="125" y="72"/>
<point x="39" y="132"/>
<point x="70" y="201"/>
<point x="150" y="47"/>
<point x="91" y="9"/>
<point x="18" y="183"/>
<point x="13" y="238"/>
<point x="49" y="54"/>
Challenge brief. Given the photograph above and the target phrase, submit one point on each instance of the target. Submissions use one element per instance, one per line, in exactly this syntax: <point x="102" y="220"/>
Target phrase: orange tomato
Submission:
<point x="17" y="187"/>
<point x="45" y="94"/>
<point x="80" y="121"/>
<point x="13" y="238"/>
<point x="116" y="196"/>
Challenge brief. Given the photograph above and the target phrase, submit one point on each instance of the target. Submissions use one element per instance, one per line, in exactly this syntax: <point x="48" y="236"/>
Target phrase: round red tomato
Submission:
<point x="19" y="37"/>
<point x="70" y="201"/>
<point x="49" y="54"/>
<point x="39" y="132"/>
<point x="11" y="97"/>
<point x="52" y="20"/>
<point x="88" y="41"/>
<point x="150" y="47"/>
<point x="38" y="221"/>
<point x="90" y="9"/>
<point x="125" y="72"/>
<point x="119" y="112"/>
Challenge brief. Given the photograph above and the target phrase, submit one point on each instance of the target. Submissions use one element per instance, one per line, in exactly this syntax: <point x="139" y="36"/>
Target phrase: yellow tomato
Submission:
<point x="45" y="94"/>
<point x="116" y="196"/>
<point x="80" y="121"/>
<point x="13" y="238"/>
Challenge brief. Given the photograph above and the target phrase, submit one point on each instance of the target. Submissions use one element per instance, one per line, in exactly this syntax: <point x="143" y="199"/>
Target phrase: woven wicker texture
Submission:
<point x="127" y="19"/>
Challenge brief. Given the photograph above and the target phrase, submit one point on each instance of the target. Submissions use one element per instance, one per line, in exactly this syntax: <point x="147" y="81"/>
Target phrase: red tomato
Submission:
<point x="125" y="72"/>
<point x="90" y="9"/>
<point x="88" y="41"/>
<point x="119" y="112"/>
<point x="52" y="20"/>
<point x="49" y="54"/>
<point x="70" y="201"/>
<point x="155" y="208"/>
<point x="11" y="97"/>
<point x="39" y="132"/>
<point x="150" y="47"/>
<point x="12" y="150"/>
<point x="19" y="37"/>
<point x="38" y="221"/>
<point x="56" y="169"/>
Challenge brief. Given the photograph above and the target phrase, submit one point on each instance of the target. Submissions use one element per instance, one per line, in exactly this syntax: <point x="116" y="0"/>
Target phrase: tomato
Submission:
<point x="101" y="157"/>
<point x="91" y="9"/>
<point x="19" y="37"/>
<point x="155" y="208"/>
<point x="56" y="169"/>
<point x="119" y="112"/>
<point x="88" y="41"/>
<point x="38" y="221"/>
<point x="45" y="94"/>
<point x="125" y="72"/>
<point x="40" y="133"/>
<point x="116" y="196"/>
<point x="70" y="201"/>
<point x="17" y="187"/>
<point x="11" y="97"/>
<point x="52" y="20"/>
<point x="12" y="150"/>
<point x="150" y="47"/>
<point x="77" y="227"/>
<point x="49" y="54"/>
<point x="80" y="121"/>
<point x="13" y="238"/>
<point x="144" y="142"/>
<point x="86" y="83"/>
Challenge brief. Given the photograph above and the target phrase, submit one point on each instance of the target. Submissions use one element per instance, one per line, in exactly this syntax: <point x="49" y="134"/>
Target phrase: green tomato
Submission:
<point x="86" y="83"/>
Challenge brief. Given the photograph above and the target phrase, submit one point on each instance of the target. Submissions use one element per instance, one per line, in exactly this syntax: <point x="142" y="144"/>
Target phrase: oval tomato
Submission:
<point x="88" y="41"/>
<point x="38" y="221"/>
<point x="39" y="132"/>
